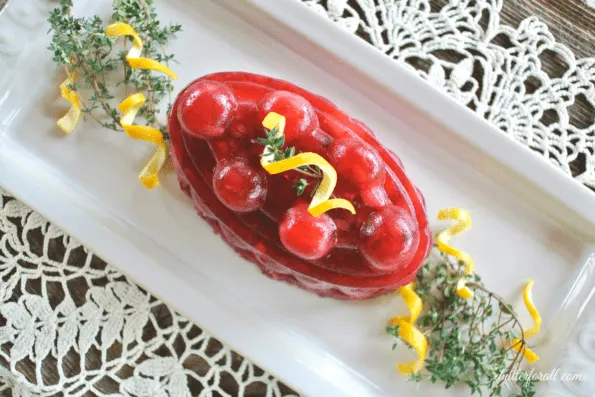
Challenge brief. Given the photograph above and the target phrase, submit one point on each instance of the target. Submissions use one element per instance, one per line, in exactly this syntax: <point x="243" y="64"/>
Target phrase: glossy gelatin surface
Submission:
<point x="213" y="126"/>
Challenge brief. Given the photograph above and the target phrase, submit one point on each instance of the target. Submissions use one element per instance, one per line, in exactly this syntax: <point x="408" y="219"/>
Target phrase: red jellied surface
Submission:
<point x="336" y="255"/>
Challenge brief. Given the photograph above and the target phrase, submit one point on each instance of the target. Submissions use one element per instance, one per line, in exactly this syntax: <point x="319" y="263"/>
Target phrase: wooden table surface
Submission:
<point x="571" y="21"/>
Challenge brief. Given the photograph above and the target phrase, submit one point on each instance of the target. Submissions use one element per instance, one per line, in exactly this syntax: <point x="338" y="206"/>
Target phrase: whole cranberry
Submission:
<point x="357" y="162"/>
<point x="307" y="236"/>
<point x="389" y="239"/>
<point x="317" y="142"/>
<point x="300" y="116"/>
<point x="206" y="108"/>
<point x="238" y="185"/>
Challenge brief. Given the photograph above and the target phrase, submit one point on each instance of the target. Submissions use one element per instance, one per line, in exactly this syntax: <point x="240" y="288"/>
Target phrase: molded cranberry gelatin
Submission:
<point x="214" y="125"/>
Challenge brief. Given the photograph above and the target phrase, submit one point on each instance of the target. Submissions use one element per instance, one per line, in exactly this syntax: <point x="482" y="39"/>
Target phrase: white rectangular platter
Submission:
<point x="530" y="220"/>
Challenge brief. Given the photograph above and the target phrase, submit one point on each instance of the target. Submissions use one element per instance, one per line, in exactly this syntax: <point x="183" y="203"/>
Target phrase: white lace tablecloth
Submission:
<point x="520" y="79"/>
<point x="72" y="325"/>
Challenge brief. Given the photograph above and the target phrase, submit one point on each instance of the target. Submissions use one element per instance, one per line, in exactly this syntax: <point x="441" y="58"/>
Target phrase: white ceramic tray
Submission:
<point x="530" y="220"/>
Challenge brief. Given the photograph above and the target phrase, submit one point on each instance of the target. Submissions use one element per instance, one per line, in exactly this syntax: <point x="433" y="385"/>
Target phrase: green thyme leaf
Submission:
<point x="465" y="337"/>
<point x="81" y="45"/>
<point x="300" y="186"/>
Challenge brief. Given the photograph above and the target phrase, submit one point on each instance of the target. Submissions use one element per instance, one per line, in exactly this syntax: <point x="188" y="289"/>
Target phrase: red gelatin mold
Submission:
<point x="213" y="127"/>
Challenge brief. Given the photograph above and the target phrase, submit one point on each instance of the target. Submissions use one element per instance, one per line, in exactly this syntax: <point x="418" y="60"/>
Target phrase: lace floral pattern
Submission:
<point x="500" y="72"/>
<point x="71" y="324"/>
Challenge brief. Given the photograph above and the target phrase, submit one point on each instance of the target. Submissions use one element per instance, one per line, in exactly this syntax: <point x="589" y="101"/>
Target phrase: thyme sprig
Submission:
<point x="467" y="338"/>
<point x="81" y="46"/>
<point x="274" y="146"/>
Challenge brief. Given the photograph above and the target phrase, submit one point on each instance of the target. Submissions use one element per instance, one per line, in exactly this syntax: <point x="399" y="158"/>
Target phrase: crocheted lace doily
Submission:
<point x="71" y="325"/>
<point x="500" y="72"/>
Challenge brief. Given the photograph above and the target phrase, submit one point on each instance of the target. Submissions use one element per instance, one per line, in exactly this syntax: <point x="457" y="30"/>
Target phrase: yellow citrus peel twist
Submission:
<point x="321" y="201"/>
<point x="134" y="59"/>
<point x="69" y="121"/>
<point x="463" y="223"/>
<point x="409" y="333"/>
<point x="129" y="107"/>
<point x="518" y="344"/>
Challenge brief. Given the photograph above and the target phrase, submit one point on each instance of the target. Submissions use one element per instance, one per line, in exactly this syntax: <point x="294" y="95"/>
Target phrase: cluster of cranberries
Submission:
<point x="385" y="233"/>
